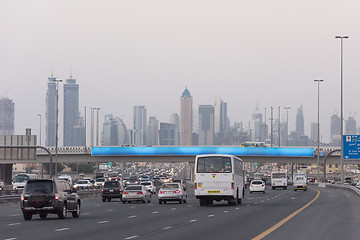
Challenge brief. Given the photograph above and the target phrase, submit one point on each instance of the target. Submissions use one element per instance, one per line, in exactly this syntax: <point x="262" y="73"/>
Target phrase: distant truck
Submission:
<point x="299" y="182"/>
<point x="19" y="181"/>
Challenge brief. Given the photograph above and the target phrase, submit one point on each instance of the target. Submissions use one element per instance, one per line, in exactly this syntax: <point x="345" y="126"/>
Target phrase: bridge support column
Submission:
<point x="6" y="173"/>
<point x="189" y="172"/>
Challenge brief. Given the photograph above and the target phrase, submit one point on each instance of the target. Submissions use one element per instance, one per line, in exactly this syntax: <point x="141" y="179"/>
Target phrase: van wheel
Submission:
<point x="76" y="214"/>
<point x="43" y="215"/>
<point x="27" y="216"/>
<point x="109" y="199"/>
<point x="62" y="213"/>
<point x="202" y="203"/>
<point x="104" y="199"/>
<point x="160" y="202"/>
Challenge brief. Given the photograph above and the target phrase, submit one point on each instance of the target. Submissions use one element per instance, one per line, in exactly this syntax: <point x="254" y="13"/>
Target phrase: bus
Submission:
<point x="219" y="177"/>
<point x="253" y="144"/>
<point x="279" y="180"/>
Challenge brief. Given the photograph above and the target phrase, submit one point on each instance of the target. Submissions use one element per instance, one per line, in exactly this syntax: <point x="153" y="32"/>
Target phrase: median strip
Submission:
<point x="282" y="222"/>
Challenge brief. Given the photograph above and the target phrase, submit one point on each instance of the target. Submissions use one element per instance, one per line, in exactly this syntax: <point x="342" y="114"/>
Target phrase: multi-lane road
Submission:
<point x="335" y="214"/>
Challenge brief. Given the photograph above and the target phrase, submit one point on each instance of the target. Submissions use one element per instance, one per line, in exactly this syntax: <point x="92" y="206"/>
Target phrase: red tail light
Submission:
<point x="56" y="196"/>
<point x="232" y="185"/>
<point x="251" y="185"/>
<point x="102" y="190"/>
<point x="195" y="185"/>
<point x="139" y="192"/>
<point x="262" y="185"/>
<point x="22" y="198"/>
<point x="125" y="193"/>
<point x="150" y="186"/>
<point x="161" y="192"/>
<point x="177" y="191"/>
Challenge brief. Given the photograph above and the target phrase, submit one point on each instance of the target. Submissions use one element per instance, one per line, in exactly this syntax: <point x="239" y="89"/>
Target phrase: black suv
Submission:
<point x="112" y="189"/>
<point x="43" y="196"/>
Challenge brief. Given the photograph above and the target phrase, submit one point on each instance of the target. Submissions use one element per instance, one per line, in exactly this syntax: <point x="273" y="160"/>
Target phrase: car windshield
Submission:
<point x="111" y="184"/>
<point x="133" y="178"/>
<point x="170" y="186"/>
<point x="39" y="187"/>
<point x="134" y="188"/>
<point x="21" y="178"/>
<point x="145" y="183"/>
<point x="100" y="180"/>
<point x="82" y="182"/>
<point x="257" y="182"/>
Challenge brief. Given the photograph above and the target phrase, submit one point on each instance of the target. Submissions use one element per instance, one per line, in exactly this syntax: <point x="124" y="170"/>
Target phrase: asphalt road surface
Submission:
<point x="333" y="215"/>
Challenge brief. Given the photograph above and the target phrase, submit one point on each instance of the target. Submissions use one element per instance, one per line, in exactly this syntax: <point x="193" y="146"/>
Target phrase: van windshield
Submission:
<point x="214" y="164"/>
<point x="21" y="178"/>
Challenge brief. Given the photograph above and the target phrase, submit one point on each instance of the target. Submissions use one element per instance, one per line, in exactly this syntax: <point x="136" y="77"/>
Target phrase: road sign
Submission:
<point x="351" y="147"/>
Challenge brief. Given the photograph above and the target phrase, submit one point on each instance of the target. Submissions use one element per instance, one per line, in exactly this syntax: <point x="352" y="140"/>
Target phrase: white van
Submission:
<point x="219" y="177"/>
<point x="66" y="177"/>
<point x="19" y="181"/>
<point x="299" y="182"/>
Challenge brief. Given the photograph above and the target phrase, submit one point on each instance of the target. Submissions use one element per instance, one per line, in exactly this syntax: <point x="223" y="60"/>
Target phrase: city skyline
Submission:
<point x="245" y="52"/>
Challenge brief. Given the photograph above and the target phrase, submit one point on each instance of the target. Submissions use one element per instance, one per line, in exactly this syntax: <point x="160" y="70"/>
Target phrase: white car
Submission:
<point x="149" y="186"/>
<point x="83" y="184"/>
<point x="257" y="186"/>
<point x="99" y="182"/>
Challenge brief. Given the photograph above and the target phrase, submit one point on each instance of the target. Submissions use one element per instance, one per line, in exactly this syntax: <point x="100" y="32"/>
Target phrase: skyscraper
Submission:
<point x="206" y="125"/>
<point x="153" y="132"/>
<point x="350" y="126"/>
<point x="314" y="132"/>
<point x="115" y="132"/>
<point x="71" y="113"/>
<point x="140" y="126"/>
<point x="167" y="134"/>
<point x="335" y="130"/>
<point x="51" y="112"/>
<point x="186" y="118"/>
<point x="257" y="126"/>
<point x="175" y="119"/>
<point x="7" y="108"/>
<point x="300" y="121"/>
<point x="220" y="120"/>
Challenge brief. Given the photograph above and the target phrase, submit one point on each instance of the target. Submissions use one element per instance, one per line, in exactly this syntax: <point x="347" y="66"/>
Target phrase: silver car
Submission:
<point x="136" y="193"/>
<point x="172" y="192"/>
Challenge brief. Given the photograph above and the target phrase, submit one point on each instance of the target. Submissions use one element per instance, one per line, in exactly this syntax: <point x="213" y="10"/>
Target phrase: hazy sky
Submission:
<point x="126" y="53"/>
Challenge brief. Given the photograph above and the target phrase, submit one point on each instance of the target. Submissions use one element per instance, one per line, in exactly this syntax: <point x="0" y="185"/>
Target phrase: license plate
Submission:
<point x="111" y="190"/>
<point x="214" y="191"/>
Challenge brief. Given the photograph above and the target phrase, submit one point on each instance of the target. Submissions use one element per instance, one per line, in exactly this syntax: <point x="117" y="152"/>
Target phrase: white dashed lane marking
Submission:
<point x="194" y="220"/>
<point x="13" y="224"/>
<point x="10" y="238"/>
<point x="166" y="228"/>
<point x="103" y="222"/>
<point x="132" y="237"/>
<point x="14" y="215"/>
<point x="155" y="212"/>
<point x="132" y="216"/>
<point x="61" y="229"/>
<point x="211" y="215"/>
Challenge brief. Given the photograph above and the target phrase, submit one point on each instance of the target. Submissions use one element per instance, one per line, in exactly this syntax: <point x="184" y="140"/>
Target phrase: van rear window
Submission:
<point x="214" y="165"/>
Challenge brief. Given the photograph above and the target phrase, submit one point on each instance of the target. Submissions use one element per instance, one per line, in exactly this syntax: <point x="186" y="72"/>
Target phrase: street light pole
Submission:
<point x="97" y="126"/>
<point x="42" y="165"/>
<point x="57" y="124"/>
<point x="342" y="117"/>
<point x="39" y="115"/>
<point x="287" y="125"/>
<point x="279" y="127"/>
<point x="318" y="130"/>
<point x="271" y="119"/>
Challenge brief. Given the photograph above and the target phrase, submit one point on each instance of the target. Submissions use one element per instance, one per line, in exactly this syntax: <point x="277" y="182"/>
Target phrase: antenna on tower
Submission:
<point x="71" y="76"/>
<point x="52" y="71"/>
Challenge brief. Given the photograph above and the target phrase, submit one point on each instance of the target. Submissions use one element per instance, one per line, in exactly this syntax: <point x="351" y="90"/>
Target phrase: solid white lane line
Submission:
<point x="13" y="224"/>
<point x="135" y="236"/>
<point x="194" y="220"/>
<point x="14" y="215"/>
<point x="166" y="228"/>
<point x="211" y="215"/>
<point x="132" y="216"/>
<point x="61" y="229"/>
<point x="155" y="212"/>
<point x="103" y="222"/>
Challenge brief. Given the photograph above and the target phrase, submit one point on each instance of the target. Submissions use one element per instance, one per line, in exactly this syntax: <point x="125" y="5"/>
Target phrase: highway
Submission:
<point x="334" y="215"/>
